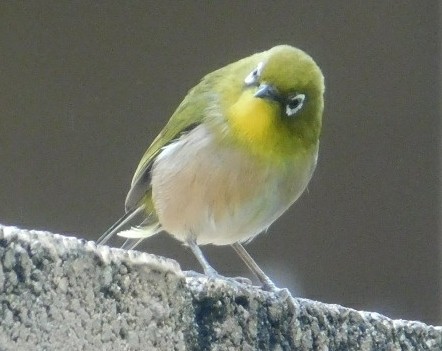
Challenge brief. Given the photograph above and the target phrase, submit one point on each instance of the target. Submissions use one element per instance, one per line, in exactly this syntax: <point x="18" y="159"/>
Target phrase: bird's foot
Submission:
<point x="215" y="275"/>
<point x="240" y="280"/>
<point x="283" y="294"/>
<point x="211" y="273"/>
<point x="268" y="285"/>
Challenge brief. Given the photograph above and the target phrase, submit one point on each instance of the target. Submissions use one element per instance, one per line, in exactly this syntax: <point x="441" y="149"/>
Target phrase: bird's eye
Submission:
<point x="253" y="77"/>
<point x="294" y="104"/>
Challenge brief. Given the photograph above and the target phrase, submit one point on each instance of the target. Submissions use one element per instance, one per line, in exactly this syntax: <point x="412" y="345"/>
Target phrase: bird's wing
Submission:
<point x="189" y="114"/>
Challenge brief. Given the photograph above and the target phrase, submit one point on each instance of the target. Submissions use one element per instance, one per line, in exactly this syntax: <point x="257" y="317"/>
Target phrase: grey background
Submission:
<point x="85" y="87"/>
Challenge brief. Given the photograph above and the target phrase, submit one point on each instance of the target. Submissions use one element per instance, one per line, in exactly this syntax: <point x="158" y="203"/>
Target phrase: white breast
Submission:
<point x="219" y="194"/>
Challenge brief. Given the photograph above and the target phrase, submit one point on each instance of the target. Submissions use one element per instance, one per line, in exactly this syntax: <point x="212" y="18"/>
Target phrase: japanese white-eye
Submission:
<point x="237" y="152"/>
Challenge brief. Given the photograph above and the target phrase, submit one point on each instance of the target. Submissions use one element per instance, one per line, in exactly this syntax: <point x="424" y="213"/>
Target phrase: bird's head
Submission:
<point x="279" y="107"/>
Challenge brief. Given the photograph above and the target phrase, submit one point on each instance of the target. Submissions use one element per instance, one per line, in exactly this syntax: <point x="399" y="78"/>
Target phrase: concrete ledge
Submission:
<point x="60" y="293"/>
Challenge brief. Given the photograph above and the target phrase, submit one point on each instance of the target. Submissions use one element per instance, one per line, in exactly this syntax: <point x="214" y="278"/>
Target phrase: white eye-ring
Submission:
<point x="254" y="76"/>
<point x="294" y="104"/>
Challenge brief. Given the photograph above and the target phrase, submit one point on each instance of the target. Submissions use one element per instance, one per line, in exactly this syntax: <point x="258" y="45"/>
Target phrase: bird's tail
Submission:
<point x="149" y="227"/>
<point x="136" y="235"/>
<point x="143" y="231"/>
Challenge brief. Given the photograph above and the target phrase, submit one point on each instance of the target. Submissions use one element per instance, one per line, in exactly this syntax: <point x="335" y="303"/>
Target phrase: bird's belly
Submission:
<point x="220" y="195"/>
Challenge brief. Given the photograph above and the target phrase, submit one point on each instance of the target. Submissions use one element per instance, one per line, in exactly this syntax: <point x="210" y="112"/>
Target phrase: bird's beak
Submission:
<point x="267" y="91"/>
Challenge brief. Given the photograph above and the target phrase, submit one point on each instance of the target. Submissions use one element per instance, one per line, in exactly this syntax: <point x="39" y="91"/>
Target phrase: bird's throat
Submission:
<point x="256" y="124"/>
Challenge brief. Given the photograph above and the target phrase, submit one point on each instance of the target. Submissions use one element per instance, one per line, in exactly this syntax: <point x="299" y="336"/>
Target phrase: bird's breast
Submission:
<point x="220" y="194"/>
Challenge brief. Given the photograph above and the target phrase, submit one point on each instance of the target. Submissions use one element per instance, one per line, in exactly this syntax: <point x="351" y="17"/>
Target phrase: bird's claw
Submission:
<point x="216" y="275"/>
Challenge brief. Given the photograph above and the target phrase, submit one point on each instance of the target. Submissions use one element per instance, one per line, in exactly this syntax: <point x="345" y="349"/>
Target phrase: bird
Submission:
<point x="238" y="151"/>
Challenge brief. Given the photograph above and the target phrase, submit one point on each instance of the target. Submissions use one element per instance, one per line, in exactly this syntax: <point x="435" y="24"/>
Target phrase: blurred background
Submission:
<point x="86" y="86"/>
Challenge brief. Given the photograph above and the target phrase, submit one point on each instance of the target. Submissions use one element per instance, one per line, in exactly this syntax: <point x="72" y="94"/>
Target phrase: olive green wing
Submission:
<point x="189" y="114"/>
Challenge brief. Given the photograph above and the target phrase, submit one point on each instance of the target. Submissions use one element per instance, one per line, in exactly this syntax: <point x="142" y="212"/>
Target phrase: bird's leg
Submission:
<point x="266" y="282"/>
<point x="208" y="269"/>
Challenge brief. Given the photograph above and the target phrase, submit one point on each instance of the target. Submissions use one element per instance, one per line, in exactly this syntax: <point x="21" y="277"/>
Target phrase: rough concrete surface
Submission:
<point x="61" y="293"/>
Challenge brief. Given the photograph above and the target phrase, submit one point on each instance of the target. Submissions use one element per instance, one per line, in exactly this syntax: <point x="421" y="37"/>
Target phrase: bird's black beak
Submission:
<point x="267" y="91"/>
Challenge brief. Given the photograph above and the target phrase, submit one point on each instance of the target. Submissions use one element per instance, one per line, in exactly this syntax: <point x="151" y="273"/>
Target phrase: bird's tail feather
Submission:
<point x="128" y="216"/>
<point x="136" y="235"/>
<point x="141" y="232"/>
<point x="130" y="244"/>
